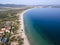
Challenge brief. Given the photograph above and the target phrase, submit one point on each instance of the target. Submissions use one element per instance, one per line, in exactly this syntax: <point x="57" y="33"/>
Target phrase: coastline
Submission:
<point x="23" y="35"/>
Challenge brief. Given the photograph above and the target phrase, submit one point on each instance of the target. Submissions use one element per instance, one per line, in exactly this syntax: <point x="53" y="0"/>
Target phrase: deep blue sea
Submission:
<point x="42" y="26"/>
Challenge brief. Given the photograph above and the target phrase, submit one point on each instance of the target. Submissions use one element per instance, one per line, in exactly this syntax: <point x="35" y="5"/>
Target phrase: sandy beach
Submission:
<point x="26" y="42"/>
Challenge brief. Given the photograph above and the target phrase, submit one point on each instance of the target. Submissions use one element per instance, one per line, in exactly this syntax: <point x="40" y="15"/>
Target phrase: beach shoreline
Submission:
<point x="24" y="36"/>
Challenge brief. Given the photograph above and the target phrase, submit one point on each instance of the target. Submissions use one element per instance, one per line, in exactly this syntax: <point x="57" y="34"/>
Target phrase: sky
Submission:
<point x="31" y="2"/>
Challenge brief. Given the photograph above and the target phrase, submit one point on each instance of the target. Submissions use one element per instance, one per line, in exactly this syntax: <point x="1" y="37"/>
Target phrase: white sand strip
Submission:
<point x="26" y="42"/>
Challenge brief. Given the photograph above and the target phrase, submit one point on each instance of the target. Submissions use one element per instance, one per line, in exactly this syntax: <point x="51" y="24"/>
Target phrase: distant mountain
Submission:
<point x="14" y="5"/>
<point x="11" y="5"/>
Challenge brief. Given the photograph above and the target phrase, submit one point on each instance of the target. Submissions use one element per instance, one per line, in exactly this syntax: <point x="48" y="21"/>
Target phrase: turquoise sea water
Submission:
<point x="42" y="26"/>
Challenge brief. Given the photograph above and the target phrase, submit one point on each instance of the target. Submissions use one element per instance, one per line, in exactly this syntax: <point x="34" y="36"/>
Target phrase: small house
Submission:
<point x="1" y="34"/>
<point x="7" y="29"/>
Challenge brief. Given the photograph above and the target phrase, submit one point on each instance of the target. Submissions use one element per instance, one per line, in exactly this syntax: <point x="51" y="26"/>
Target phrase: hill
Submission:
<point x="11" y="5"/>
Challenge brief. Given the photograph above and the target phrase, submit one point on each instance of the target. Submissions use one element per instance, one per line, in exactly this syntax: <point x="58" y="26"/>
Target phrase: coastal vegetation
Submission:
<point x="10" y="19"/>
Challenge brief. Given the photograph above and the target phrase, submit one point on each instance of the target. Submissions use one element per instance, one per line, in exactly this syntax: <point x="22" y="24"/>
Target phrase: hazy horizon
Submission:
<point x="31" y="2"/>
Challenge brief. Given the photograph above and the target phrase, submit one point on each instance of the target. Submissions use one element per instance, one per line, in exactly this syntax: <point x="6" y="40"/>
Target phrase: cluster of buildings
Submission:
<point x="6" y="32"/>
<point x="3" y="31"/>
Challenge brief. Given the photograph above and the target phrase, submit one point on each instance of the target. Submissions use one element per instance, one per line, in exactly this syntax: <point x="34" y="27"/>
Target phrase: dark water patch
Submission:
<point x="42" y="25"/>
